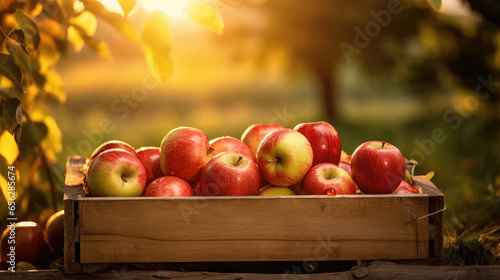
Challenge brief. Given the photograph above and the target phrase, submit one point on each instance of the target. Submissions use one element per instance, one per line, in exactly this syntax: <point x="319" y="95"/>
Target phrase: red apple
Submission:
<point x="405" y="188"/>
<point x="324" y="140"/>
<point x="229" y="144"/>
<point x="326" y="176"/>
<point x="150" y="159"/>
<point x="254" y="134"/>
<point x="184" y="151"/>
<point x="116" y="172"/>
<point x="55" y="233"/>
<point x="230" y="174"/>
<point x="377" y="167"/>
<point x="113" y="144"/>
<point x="168" y="186"/>
<point x="284" y="157"/>
<point x="196" y="188"/>
<point x="26" y="242"/>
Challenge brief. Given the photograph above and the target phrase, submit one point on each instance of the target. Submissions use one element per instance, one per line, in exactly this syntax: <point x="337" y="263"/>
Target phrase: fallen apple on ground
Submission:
<point x="55" y="233"/>
<point x="27" y="243"/>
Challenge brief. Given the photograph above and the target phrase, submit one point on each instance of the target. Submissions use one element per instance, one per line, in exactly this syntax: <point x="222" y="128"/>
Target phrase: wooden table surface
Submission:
<point x="372" y="271"/>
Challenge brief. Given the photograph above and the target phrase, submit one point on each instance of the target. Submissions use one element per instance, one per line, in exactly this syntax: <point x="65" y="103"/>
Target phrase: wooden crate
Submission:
<point x="105" y="230"/>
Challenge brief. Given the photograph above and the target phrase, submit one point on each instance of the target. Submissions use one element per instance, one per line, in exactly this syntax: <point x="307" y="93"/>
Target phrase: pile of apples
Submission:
<point x="268" y="160"/>
<point x="29" y="246"/>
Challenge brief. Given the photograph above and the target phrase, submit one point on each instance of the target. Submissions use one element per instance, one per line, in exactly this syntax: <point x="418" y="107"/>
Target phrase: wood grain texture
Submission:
<point x="373" y="271"/>
<point x="253" y="228"/>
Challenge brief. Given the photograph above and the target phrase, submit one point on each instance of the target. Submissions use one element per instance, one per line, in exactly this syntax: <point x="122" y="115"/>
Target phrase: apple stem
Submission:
<point x="383" y="144"/>
<point x="274" y="160"/>
<point x="239" y="159"/>
<point x="124" y="179"/>
<point x="210" y="149"/>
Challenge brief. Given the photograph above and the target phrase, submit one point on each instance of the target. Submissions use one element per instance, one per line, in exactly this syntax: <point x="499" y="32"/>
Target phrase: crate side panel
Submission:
<point x="279" y="218"/>
<point x="105" y="249"/>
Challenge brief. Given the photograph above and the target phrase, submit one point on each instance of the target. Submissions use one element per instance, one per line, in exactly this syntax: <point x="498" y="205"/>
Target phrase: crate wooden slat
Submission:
<point x="220" y="229"/>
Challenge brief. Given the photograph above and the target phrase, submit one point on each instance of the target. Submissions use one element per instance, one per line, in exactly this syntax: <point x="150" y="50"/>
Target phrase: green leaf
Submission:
<point x="22" y="59"/>
<point x="206" y="16"/>
<point x="10" y="70"/>
<point x="9" y="150"/>
<point x="18" y="36"/>
<point x="435" y="3"/>
<point x="127" y="6"/>
<point x="29" y="28"/>
<point x="12" y="114"/>
<point x="114" y="19"/>
<point x="33" y="134"/>
<point x="156" y="45"/>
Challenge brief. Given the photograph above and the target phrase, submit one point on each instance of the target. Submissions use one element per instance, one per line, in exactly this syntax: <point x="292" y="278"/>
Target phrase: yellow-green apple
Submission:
<point x="168" y="186"/>
<point x="327" y="176"/>
<point x="55" y="233"/>
<point x="343" y="155"/>
<point x="25" y="241"/>
<point x="230" y="174"/>
<point x="271" y="190"/>
<point x="113" y="144"/>
<point x="405" y="188"/>
<point x="284" y="157"/>
<point x="229" y="144"/>
<point x="346" y="165"/>
<point x="116" y="172"/>
<point x="377" y="167"/>
<point x="324" y="140"/>
<point x="150" y="159"/>
<point x="254" y="134"/>
<point x="184" y="151"/>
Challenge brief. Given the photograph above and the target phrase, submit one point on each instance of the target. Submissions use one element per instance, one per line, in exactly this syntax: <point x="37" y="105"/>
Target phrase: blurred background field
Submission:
<point x="283" y="61"/>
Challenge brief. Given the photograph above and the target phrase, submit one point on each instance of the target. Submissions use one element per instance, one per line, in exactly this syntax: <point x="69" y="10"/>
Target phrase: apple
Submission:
<point x="327" y="176"/>
<point x="284" y="157"/>
<point x="271" y="190"/>
<point x="324" y="140"/>
<point x="196" y="188"/>
<point x="343" y="155"/>
<point x="184" y="151"/>
<point x="229" y="144"/>
<point x="377" y="167"/>
<point x="405" y="188"/>
<point x="168" y="186"/>
<point x="55" y="233"/>
<point x="150" y="159"/>
<point x="26" y="243"/>
<point x="230" y="174"/>
<point x="254" y="134"/>
<point x="346" y="165"/>
<point x="113" y="144"/>
<point x="116" y="172"/>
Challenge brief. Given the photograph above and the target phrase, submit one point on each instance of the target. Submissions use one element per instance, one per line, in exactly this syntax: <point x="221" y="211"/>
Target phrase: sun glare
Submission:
<point x="169" y="7"/>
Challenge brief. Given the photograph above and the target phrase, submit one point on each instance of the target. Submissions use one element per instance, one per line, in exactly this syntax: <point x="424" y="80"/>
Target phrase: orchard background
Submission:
<point x="422" y="75"/>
